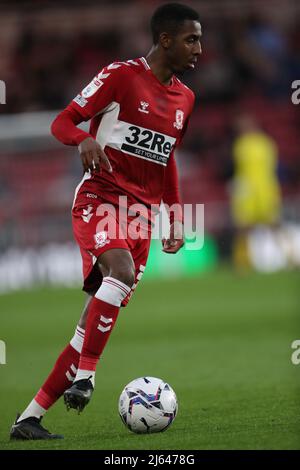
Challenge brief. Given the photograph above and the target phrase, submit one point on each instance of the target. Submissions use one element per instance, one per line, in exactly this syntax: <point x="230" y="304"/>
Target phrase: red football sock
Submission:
<point x="63" y="373"/>
<point x="100" y="322"/>
<point x="102" y="315"/>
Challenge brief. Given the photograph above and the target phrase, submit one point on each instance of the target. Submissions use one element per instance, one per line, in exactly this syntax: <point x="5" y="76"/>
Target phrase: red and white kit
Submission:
<point x="138" y="122"/>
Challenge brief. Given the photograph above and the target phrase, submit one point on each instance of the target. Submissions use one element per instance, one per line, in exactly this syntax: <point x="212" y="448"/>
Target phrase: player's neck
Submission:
<point x="159" y="68"/>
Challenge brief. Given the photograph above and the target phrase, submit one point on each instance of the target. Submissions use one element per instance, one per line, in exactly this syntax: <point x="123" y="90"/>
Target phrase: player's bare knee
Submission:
<point x="125" y="274"/>
<point x="83" y="318"/>
<point x="123" y="270"/>
<point x="118" y="264"/>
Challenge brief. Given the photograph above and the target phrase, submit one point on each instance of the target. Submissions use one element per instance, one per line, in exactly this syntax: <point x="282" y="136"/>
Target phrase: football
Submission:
<point x="148" y="405"/>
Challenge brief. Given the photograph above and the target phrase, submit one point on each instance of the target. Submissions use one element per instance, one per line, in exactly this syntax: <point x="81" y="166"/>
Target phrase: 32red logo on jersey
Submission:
<point x="148" y="144"/>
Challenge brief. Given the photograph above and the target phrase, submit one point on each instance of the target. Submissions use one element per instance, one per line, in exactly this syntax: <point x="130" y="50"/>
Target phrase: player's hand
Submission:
<point x="92" y="155"/>
<point x="175" y="241"/>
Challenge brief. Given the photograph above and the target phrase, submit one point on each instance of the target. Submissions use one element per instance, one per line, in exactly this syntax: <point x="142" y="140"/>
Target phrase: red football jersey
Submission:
<point x="138" y="122"/>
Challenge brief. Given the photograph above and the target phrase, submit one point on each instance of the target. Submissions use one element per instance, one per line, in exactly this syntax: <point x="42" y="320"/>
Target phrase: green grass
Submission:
<point x="222" y="342"/>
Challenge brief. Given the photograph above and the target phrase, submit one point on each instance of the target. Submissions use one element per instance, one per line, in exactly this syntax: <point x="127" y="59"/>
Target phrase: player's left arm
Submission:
<point x="171" y="199"/>
<point x="171" y="195"/>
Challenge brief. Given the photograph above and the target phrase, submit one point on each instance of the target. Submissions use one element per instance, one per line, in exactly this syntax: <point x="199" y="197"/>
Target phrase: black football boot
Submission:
<point x="79" y="394"/>
<point x="31" y="429"/>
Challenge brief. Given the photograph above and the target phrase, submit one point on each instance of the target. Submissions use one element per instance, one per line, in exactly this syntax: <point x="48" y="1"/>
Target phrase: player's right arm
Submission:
<point x="93" y="99"/>
<point x="65" y="130"/>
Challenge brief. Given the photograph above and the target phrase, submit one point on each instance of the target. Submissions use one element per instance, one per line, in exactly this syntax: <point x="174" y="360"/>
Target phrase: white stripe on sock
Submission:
<point x="103" y="329"/>
<point x="80" y="330"/>
<point x="86" y="374"/>
<point x="33" y="409"/>
<point x="70" y="377"/>
<point x="112" y="291"/>
<point x="105" y="319"/>
<point x="77" y="340"/>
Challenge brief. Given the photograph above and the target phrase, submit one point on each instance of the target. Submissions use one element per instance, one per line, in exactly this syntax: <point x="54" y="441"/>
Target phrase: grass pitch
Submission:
<point x="221" y="341"/>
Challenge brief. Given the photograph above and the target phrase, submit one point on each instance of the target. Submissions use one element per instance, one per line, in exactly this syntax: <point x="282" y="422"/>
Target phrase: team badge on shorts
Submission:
<point x="101" y="239"/>
<point x="179" y="119"/>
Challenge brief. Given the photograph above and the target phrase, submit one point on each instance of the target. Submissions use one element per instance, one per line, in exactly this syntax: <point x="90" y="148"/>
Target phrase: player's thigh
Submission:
<point x="117" y="263"/>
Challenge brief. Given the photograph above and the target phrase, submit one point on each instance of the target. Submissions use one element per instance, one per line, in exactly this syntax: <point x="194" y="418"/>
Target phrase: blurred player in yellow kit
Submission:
<point x="255" y="197"/>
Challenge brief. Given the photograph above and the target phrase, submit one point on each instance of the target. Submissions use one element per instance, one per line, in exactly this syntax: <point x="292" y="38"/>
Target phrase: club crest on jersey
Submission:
<point x="179" y="119"/>
<point x="143" y="107"/>
<point x="101" y="239"/>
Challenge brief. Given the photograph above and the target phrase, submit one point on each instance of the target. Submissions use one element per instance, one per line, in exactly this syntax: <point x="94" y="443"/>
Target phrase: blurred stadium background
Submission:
<point x="50" y="50"/>
<point x="251" y="55"/>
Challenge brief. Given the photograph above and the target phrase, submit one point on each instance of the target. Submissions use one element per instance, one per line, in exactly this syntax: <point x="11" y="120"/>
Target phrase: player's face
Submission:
<point x="185" y="47"/>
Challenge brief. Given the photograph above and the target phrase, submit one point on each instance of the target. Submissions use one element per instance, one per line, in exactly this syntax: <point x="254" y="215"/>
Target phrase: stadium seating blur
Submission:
<point x="250" y="58"/>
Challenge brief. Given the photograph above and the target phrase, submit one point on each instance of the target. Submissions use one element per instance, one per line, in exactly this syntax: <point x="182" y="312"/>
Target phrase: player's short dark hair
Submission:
<point x="169" y="18"/>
